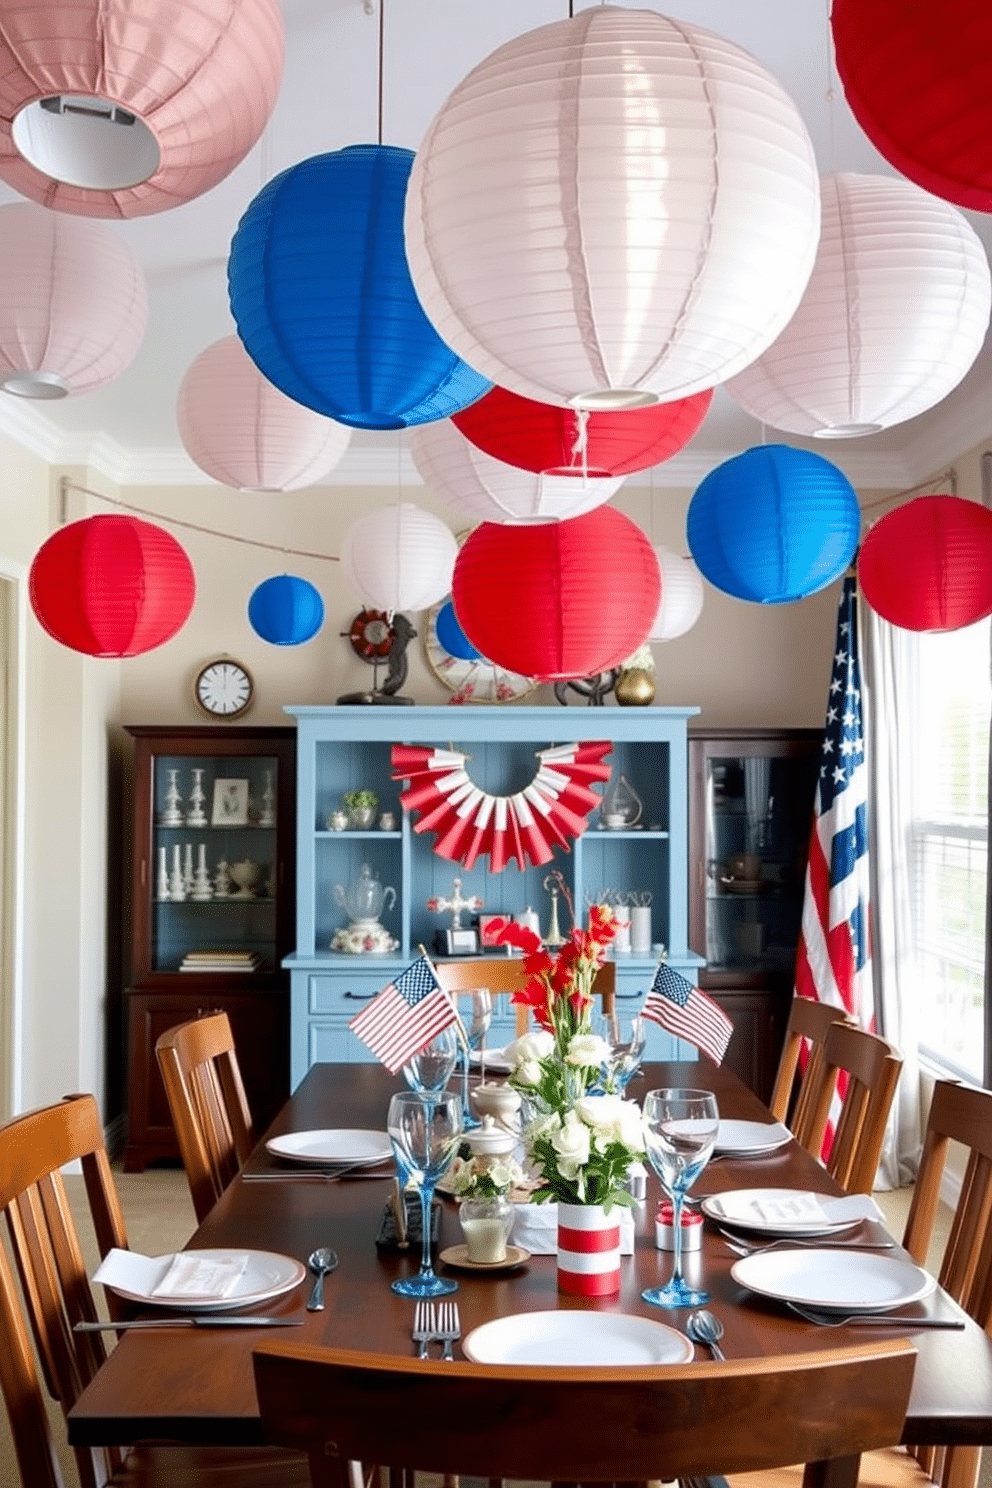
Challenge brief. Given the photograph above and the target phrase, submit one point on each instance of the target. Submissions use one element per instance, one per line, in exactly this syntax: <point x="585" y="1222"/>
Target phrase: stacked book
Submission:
<point x="243" y="961"/>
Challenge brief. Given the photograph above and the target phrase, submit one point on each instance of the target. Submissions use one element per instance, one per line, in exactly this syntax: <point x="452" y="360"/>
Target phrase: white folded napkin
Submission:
<point x="798" y="1208"/>
<point x="186" y="1274"/>
<point x="535" y="1227"/>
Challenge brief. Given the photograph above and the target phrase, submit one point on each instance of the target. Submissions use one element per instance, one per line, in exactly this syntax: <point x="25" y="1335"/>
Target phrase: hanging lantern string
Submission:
<point x="944" y="478"/>
<point x="382" y="25"/>
<point x="66" y="485"/>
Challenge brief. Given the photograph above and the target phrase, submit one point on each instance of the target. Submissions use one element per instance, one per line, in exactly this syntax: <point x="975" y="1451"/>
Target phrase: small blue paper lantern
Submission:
<point x="286" y="610"/>
<point x="323" y="300"/>
<point x="451" y="636"/>
<point x="773" y="525"/>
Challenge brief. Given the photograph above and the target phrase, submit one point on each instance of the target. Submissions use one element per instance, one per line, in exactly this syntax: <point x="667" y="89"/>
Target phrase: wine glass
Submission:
<point x="429" y="1070"/>
<point x="476" y="1027"/>
<point x="424" y="1131"/>
<point x="626" y="1033"/>
<point x="680" y="1130"/>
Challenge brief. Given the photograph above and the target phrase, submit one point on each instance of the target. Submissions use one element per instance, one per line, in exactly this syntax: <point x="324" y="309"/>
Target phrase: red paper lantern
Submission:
<point x="928" y="565"/>
<point x="558" y="599"/>
<point x="916" y="79"/>
<point x="111" y="586"/>
<point x="560" y="441"/>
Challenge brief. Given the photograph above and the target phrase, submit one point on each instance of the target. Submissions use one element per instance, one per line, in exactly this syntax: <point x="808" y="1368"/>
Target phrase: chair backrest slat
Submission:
<point x="507" y="974"/>
<point x="806" y="1029"/>
<point x="872" y="1067"/>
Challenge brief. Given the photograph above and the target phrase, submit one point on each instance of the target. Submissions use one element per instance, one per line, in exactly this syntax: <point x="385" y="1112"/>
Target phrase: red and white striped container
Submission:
<point x="588" y="1250"/>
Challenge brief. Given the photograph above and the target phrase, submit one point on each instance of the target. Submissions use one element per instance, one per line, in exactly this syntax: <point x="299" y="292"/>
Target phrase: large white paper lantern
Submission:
<point x="73" y="304"/>
<point x="895" y="313"/>
<point x="681" y="596"/>
<point x="399" y="558"/>
<point x="245" y="433"/>
<point x="478" y="488"/>
<point x="613" y="210"/>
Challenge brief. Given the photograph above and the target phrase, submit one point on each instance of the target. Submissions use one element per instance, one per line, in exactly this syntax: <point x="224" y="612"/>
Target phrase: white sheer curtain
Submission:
<point x="889" y="726"/>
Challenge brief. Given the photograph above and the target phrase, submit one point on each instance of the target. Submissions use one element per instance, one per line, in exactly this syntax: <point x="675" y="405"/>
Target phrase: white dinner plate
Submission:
<point x="265" y="1276"/>
<point x="576" y="1338"/>
<point x="834" y="1280"/>
<point x="339" y="1145"/>
<point x="788" y="1211"/>
<point x="751" y="1138"/>
<point x="496" y="1061"/>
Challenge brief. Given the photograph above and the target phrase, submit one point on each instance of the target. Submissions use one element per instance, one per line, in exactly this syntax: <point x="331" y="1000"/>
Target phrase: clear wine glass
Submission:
<point x="480" y="1016"/>
<point x="680" y="1130"/>
<point x="429" y="1071"/>
<point x="626" y="1034"/>
<point x="424" y="1131"/>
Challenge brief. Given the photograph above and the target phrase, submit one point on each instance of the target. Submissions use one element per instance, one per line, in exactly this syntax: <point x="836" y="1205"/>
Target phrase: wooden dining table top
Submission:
<point x="195" y="1384"/>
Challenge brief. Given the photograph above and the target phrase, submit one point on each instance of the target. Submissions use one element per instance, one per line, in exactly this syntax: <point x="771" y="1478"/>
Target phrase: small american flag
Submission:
<point x="404" y="1017"/>
<point x="689" y="1014"/>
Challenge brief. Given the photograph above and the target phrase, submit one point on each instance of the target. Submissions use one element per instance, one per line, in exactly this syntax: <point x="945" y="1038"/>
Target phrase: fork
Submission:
<point x="871" y="1319"/>
<point x="745" y="1248"/>
<point x="449" y="1327"/>
<point x="424" y="1328"/>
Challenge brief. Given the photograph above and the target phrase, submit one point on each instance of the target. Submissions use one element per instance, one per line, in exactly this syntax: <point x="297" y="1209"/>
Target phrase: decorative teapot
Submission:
<point x="365" y="899"/>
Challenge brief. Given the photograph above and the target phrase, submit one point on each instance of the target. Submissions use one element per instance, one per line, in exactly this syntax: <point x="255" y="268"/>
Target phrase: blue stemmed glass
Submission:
<point x="680" y="1129"/>
<point x="430" y="1069"/>
<point x="476" y="1028"/>
<point x="626" y="1034"/>
<point x="424" y="1131"/>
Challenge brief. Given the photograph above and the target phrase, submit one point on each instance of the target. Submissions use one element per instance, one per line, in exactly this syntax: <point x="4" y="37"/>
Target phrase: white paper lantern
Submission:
<point x="478" y="488"/>
<point x="73" y="304"/>
<point x="613" y="210"/>
<point x="399" y="558"/>
<point x="681" y="596"/>
<point x="894" y="315"/>
<point x="245" y="433"/>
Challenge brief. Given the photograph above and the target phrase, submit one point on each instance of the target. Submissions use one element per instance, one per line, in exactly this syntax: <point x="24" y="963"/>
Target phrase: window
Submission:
<point x="948" y="848"/>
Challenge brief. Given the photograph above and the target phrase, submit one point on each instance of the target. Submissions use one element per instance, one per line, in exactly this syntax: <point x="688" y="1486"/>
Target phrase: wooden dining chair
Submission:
<point x="506" y="974"/>
<point x="872" y="1067"/>
<point x="794" y="1088"/>
<point x="578" y="1424"/>
<point x="54" y="1294"/>
<point x="208" y="1105"/>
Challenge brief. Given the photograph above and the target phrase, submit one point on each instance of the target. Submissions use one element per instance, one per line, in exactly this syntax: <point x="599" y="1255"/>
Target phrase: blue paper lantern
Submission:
<point x="285" y="610"/>
<point x="451" y="636"/>
<point x="323" y="300"/>
<point x="773" y="525"/>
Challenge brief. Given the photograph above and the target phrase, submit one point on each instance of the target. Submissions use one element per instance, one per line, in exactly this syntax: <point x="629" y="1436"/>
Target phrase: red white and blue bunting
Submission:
<point x="469" y="822"/>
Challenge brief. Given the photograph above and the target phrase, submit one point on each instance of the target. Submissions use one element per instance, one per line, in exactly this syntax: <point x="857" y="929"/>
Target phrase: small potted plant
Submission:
<point x="361" y="806"/>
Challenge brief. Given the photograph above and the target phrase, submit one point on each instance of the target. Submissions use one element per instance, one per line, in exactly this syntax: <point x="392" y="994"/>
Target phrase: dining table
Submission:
<point x="195" y="1385"/>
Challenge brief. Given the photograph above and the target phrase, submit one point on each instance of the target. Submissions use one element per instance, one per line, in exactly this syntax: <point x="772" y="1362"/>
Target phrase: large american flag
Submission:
<point x="834" y="957"/>
<point x="404" y="1017"/>
<point x="686" y="1012"/>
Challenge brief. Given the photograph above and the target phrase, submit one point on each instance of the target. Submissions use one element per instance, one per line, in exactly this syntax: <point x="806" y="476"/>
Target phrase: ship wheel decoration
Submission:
<point x="469" y="822"/>
<point x="380" y="639"/>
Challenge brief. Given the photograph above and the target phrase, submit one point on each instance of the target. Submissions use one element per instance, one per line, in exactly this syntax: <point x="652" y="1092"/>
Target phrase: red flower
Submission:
<point x="559" y="988"/>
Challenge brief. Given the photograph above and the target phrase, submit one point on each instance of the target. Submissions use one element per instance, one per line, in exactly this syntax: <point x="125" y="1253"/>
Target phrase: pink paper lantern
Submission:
<point x="558" y="599"/>
<point x="927" y="565"/>
<point x="73" y="304"/>
<point x="245" y="433"/>
<point x="120" y="108"/>
<point x="111" y="586"/>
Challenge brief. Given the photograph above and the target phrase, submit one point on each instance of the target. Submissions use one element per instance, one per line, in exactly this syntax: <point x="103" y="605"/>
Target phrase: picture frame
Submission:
<point x="460" y="942"/>
<point x="230" y="803"/>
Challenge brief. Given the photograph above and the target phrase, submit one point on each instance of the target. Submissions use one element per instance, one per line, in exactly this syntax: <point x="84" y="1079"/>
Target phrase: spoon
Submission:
<point x="703" y="1327"/>
<point x="321" y="1263"/>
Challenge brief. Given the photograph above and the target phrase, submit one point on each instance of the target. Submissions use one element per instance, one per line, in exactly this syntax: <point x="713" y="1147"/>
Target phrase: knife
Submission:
<point x="275" y="1175"/>
<point x="208" y="1320"/>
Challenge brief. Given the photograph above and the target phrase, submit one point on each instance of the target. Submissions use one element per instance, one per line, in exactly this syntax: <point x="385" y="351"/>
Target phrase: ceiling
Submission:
<point x="330" y="98"/>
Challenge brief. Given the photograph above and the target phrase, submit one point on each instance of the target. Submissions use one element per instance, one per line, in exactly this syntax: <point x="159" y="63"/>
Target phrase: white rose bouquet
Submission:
<point x="579" y="1143"/>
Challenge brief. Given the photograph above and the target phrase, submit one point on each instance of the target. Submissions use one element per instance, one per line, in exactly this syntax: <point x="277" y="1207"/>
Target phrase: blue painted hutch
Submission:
<point x="345" y="748"/>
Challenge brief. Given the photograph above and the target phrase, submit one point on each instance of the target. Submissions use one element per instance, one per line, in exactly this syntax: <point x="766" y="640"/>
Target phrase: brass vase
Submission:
<point x="635" y="688"/>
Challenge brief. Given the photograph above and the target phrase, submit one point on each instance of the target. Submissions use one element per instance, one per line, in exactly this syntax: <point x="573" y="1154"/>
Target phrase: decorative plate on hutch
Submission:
<point x="471" y="679"/>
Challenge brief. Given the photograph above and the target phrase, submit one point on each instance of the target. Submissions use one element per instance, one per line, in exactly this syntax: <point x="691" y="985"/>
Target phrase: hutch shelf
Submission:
<point x="347" y="748"/>
<point x="211" y="912"/>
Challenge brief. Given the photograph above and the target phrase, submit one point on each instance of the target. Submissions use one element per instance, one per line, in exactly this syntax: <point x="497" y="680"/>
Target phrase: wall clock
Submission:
<point x="224" y="688"/>
<point x="455" y="662"/>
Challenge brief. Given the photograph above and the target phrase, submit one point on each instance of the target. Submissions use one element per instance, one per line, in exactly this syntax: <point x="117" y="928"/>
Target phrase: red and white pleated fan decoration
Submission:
<point x="469" y="822"/>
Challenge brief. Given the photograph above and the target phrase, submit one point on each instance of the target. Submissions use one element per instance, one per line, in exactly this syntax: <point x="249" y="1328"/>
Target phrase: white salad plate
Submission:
<point x="834" y="1280"/>
<point x="751" y="1138"/>
<point x="788" y="1211"/>
<point x="338" y="1145"/>
<point x="264" y="1275"/>
<point x="496" y="1061"/>
<point x="590" y="1338"/>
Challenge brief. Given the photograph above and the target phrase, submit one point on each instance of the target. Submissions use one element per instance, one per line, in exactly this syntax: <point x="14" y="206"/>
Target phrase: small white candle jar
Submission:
<point x="486" y="1225"/>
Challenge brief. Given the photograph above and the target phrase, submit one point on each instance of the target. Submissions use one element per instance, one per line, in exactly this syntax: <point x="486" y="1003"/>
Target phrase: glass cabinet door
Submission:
<point x="754" y="803"/>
